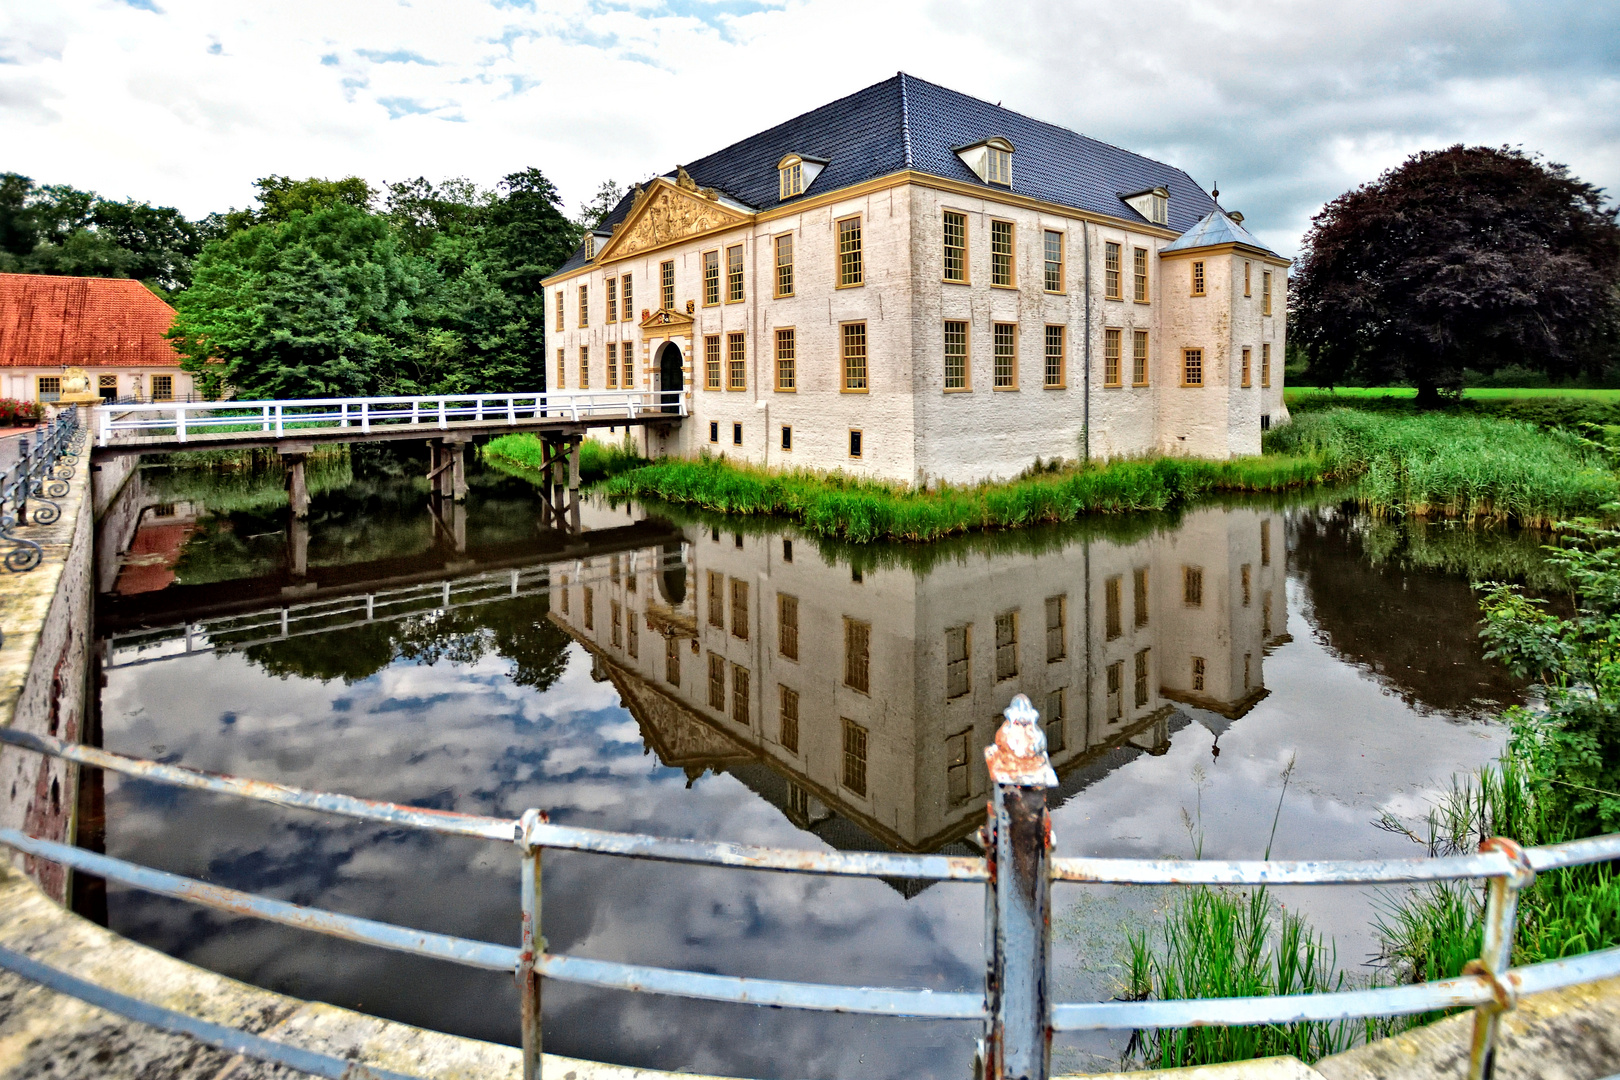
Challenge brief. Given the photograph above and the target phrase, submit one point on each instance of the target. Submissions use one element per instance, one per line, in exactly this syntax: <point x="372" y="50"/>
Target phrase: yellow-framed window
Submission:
<point x="852" y="354"/>
<point x="584" y="305"/>
<point x="666" y="284"/>
<point x="784" y="265"/>
<point x="954" y="229"/>
<point x="851" y="255"/>
<point x="1052" y="253"/>
<point x="1248" y="364"/>
<point x="1004" y="351"/>
<point x="998" y="166"/>
<point x="711" y="278"/>
<point x="1112" y="339"/>
<point x="1111" y="271"/>
<point x="736" y="362"/>
<point x="1198" y="277"/>
<point x="612" y="300"/>
<point x="1265" y="293"/>
<point x="627" y="366"/>
<point x="1139" y="270"/>
<point x="790" y="180"/>
<point x="625" y="297"/>
<point x="562" y="372"/>
<point x="956" y="354"/>
<point x="162" y="387"/>
<point x="612" y="365"/>
<point x="734" y="274"/>
<point x="1192" y="367"/>
<point x="1265" y="364"/>
<point x="787" y="350"/>
<point x="1057" y="366"/>
<point x="557" y="323"/>
<point x="584" y="367"/>
<point x="1247" y="274"/>
<point x="47" y="387"/>
<point x="711" y="362"/>
<point x="1139" y="358"/>
<point x="1001" y="254"/>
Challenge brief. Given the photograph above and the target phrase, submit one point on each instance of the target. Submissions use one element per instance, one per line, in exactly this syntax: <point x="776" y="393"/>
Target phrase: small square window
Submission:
<point x="714" y="431"/>
<point x="854" y="444"/>
<point x="736" y="434"/>
<point x="787" y="437"/>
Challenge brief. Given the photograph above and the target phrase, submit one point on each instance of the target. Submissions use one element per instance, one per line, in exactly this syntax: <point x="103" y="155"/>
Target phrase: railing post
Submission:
<point x="1496" y="956"/>
<point x="1018" y="1035"/>
<point x="531" y="944"/>
<point x="23" y="482"/>
<point x="180" y="422"/>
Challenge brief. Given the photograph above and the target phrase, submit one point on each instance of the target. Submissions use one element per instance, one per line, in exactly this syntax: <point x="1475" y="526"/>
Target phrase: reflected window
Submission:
<point x="1265" y="543"/>
<point x="1057" y="618"/>
<point x="787" y="625"/>
<point x="1247" y="669"/>
<point x="590" y="608"/>
<point x="1056" y="714"/>
<point x="717" y="599"/>
<point x="672" y="661"/>
<point x="634" y="635"/>
<point x="616" y="616"/>
<point x="1141" y="678"/>
<point x="857" y="655"/>
<point x="1265" y="615"/>
<point x="1116" y="691"/>
<point x="1198" y="673"/>
<point x="1112" y="621"/>
<point x="563" y="592"/>
<point x="739" y="609"/>
<point x="739" y="694"/>
<point x="854" y="757"/>
<point x="788" y="707"/>
<point x="1192" y="586"/>
<point x="787" y="551"/>
<point x="717" y="682"/>
<point x="1244" y="573"/>
<point x="1139" y="594"/>
<point x="957" y="682"/>
<point x="1006" y="645"/>
<point x="798" y="800"/>
<point x="958" y="780"/>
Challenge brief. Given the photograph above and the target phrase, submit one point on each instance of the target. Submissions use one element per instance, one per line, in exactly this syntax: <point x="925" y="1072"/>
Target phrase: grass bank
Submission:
<point x="837" y="506"/>
<point x="1439" y="465"/>
<point x="597" y="460"/>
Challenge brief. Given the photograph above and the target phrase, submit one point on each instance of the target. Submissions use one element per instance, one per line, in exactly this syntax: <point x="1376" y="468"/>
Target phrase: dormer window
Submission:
<point x="1153" y="204"/>
<point x="991" y="160"/>
<point x="795" y="173"/>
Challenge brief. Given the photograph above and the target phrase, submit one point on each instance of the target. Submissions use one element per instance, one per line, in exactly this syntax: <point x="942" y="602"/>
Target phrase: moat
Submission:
<point x="724" y="679"/>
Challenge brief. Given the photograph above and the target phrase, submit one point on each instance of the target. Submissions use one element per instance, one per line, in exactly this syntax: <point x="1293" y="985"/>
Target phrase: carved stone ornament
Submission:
<point x="665" y="317"/>
<point x="1019" y="754"/>
<point x="668" y="213"/>
<point x="76" y="388"/>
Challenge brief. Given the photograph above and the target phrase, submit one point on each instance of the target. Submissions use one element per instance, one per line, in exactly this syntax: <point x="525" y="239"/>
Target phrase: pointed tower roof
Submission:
<point x="1214" y="229"/>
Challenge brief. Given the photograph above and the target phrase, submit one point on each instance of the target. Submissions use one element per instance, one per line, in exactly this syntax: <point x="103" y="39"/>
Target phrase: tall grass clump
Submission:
<point x="838" y="506"/>
<point x="1436" y="465"/>
<point x="522" y="453"/>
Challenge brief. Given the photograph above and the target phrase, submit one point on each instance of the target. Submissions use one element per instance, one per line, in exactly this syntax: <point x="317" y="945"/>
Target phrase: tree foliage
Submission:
<point x="1466" y="257"/>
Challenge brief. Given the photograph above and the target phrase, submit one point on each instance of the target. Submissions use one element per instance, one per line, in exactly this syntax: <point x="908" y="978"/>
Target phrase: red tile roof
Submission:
<point x="51" y="321"/>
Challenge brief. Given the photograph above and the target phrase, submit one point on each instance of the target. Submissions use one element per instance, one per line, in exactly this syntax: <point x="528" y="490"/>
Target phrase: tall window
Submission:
<point x="739" y="694"/>
<point x="711" y="362"/>
<point x="717" y="682"/>
<point x="857" y="655"/>
<point x="998" y="166"/>
<point x="784" y="265"/>
<point x="854" y="756"/>
<point x="1192" y="367"/>
<point x="787" y="625"/>
<point x="1139" y="357"/>
<point x="1005" y="342"/>
<point x="787" y="349"/>
<point x="584" y="305"/>
<point x="1001" y="253"/>
<point x="1057" y="618"/>
<point x="958" y="755"/>
<point x="1265" y="364"/>
<point x="1265" y="292"/>
<point x="1052" y="250"/>
<point x="1139" y="595"/>
<point x="791" y="179"/>
<point x="1056" y="713"/>
<point x="672" y="660"/>
<point x="788" y="707"/>
<point x="1198" y="277"/>
<point x="958" y="680"/>
<point x="1116" y="690"/>
<point x="851" y="267"/>
<point x="1111" y="345"/>
<point x="626" y="298"/>
<point x="1265" y="543"/>
<point x="1139" y="272"/>
<point x="955" y="246"/>
<point x="627" y="364"/>
<point x="633" y="627"/>
<point x="854" y="356"/>
<point x="734" y="274"/>
<point x="1056" y="365"/>
<point x="1247" y="576"/>
<point x="584" y="367"/>
<point x="1111" y="276"/>
<point x="739" y="609"/>
<point x="562" y="371"/>
<point x="1198" y="673"/>
<point x="956" y="355"/>
<point x="612" y="299"/>
<point x="736" y="363"/>
<point x="711" y="278"/>
<point x="717" y="599"/>
<point x="1192" y="586"/>
<point x="612" y="365"/>
<point x="1006" y="645"/>
<point x="1248" y="363"/>
<point x="557" y="323"/>
<point x="1112" y="620"/>
<point x="1141" y="678"/>
<point x="666" y="284"/>
<point x="1247" y="289"/>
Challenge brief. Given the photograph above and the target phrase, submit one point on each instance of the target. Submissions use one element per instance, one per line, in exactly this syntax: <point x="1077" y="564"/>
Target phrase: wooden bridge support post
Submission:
<point x="456" y="447"/>
<point x="293" y="456"/>
<point x="573" y="483"/>
<point x="298" y="546"/>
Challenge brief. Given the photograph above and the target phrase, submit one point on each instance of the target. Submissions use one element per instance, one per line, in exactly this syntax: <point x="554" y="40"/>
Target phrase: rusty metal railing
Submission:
<point x="1018" y="870"/>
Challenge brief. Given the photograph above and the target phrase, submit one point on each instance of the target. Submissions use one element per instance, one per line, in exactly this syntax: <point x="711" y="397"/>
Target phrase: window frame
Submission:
<point x="584" y="306"/>
<point x="1265" y="365"/>
<point x="1265" y="293"/>
<point x="584" y="367"/>
<point x="736" y="277"/>
<point x="1113" y="363"/>
<point x="1248" y="275"/>
<point x="562" y="369"/>
<point x="560" y="322"/>
<point x="666" y="285"/>
<point x="791" y="384"/>
<point x="711" y="282"/>
<point x="967" y="356"/>
<point x="40" y="391"/>
<point x="713" y="363"/>
<point x="610" y="357"/>
<point x="1197" y="279"/>
<point x="967" y="271"/>
<point x="1141" y="284"/>
<point x="857" y="444"/>
<point x="1062" y="262"/>
<point x="1144" y="354"/>
<point x="1011" y="256"/>
<point x="625" y="298"/>
<point x="1248" y="366"/>
<point x="844" y="386"/>
<point x="1062" y="381"/>
<point x="1113" y="278"/>
<point x="777" y="266"/>
<point x="1187" y="354"/>
<point x="858" y="251"/>
<point x="789" y="178"/>
<point x="995" y="357"/>
<point x="736" y="362"/>
<point x="855" y="746"/>
<point x="857" y="664"/>
<point x="998" y="166"/>
<point x="610" y="286"/>
<point x="157" y="379"/>
<point x="966" y="661"/>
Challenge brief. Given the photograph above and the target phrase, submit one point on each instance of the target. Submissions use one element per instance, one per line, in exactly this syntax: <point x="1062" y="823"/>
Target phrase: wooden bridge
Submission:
<point x="448" y="423"/>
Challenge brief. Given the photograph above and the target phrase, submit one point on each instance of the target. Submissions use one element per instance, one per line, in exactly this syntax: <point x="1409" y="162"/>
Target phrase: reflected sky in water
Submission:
<point x="1190" y="659"/>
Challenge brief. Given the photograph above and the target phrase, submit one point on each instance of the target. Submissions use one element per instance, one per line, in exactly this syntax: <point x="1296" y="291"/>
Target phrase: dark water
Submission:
<point x="1266" y="632"/>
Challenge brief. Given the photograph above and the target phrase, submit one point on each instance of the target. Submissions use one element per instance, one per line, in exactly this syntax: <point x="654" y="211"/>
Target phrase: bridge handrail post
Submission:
<point x="264" y="418"/>
<point x="104" y="435"/>
<point x="180" y="423"/>
<point x="416" y="411"/>
<point x="1496" y="954"/>
<point x="444" y="423"/>
<point x="531" y="943"/>
<point x="279" y="428"/>
<point x="511" y="411"/>
<point x="365" y="417"/>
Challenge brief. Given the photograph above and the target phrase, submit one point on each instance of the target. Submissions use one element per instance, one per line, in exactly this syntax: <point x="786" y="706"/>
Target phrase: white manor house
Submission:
<point x="913" y="284"/>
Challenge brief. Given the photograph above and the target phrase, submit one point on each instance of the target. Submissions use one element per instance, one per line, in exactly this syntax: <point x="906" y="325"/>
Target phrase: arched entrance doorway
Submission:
<point x="670" y="378"/>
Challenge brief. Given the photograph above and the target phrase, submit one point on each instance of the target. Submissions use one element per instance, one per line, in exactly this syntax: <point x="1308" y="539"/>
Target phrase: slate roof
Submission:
<point x="907" y="123"/>
<point x="51" y="321"/>
<point x="1216" y="228"/>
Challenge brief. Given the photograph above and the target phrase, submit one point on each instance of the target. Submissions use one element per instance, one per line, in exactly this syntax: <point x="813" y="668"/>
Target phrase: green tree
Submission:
<point x="600" y="205"/>
<point x="59" y="229"/>
<point x="527" y="238"/>
<point x="1466" y="257"/>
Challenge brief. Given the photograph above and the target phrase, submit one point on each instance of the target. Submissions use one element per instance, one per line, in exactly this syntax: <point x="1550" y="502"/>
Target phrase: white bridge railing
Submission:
<point x="183" y="421"/>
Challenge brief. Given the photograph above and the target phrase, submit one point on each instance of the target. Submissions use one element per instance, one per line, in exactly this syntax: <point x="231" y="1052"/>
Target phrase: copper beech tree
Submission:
<point x="1469" y="257"/>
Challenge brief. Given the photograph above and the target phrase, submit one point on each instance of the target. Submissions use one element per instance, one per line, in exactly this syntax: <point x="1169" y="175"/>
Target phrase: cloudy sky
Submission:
<point x="1284" y="104"/>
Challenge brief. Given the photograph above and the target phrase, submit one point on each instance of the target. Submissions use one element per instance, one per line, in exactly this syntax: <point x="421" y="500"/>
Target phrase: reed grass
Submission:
<point x="522" y="452"/>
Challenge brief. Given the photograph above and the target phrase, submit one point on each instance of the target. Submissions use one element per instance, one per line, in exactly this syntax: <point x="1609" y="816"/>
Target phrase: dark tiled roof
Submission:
<point x="905" y="122"/>
<point x="50" y="321"/>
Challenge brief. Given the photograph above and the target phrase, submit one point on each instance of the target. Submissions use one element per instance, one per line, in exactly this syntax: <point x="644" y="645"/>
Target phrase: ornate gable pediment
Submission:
<point x="663" y="317"/>
<point x="667" y="213"/>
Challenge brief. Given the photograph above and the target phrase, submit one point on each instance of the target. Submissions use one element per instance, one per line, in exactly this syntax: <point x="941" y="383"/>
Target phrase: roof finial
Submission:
<point x="1215" y="193"/>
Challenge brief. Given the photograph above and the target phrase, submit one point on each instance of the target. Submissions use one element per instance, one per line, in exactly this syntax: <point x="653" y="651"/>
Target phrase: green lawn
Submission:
<point x="1478" y="394"/>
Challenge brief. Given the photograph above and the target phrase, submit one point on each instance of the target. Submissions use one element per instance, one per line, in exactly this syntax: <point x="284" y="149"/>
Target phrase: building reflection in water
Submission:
<point x="859" y="703"/>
